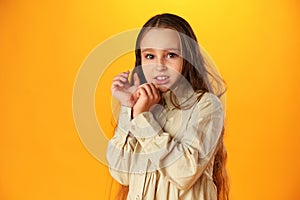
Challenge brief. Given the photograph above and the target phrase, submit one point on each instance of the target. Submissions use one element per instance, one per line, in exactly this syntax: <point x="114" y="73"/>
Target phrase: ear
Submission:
<point x="136" y="80"/>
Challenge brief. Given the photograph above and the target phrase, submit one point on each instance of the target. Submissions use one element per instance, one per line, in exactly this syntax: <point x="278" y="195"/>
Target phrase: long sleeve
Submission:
<point x="183" y="158"/>
<point x="121" y="147"/>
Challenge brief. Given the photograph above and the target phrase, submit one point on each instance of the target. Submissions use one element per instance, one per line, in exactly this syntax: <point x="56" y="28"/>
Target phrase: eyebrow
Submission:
<point x="151" y="49"/>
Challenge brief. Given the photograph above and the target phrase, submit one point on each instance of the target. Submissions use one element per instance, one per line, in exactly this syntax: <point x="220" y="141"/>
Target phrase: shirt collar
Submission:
<point x="182" y="94"/>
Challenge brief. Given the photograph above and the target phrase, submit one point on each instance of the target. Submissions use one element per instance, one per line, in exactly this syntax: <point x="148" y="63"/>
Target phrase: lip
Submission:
<point x="161" y="79"/>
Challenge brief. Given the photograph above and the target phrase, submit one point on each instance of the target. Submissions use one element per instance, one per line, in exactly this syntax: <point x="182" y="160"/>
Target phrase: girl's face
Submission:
<point x="161" y="57"/>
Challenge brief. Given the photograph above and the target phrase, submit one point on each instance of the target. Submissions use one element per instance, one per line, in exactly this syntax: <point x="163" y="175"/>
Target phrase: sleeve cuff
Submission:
<point x="144" y="126"/>
<point x="124" y="119"/>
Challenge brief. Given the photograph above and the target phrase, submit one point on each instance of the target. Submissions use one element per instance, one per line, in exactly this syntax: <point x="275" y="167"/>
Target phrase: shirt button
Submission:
<point x="137" y="197"/>
<point x="142" y="139"/>
<point x="141" y="172"/>
<point x="133" y="127"/>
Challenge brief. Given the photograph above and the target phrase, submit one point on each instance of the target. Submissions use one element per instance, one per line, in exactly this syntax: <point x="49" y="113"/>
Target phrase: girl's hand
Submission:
<point x="147" y="96"/>
<point x="122" y="90"/>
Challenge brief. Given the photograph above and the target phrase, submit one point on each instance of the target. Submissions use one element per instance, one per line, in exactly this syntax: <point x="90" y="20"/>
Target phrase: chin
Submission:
<point x="163" y="88"/>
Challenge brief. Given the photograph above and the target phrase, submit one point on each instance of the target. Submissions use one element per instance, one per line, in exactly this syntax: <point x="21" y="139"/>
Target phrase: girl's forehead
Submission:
<point x="161" y="38"/>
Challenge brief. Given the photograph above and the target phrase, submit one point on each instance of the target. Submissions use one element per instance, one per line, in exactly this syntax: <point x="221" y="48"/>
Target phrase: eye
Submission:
<point x="149" y="56"/>
<point x="172" y="55"/>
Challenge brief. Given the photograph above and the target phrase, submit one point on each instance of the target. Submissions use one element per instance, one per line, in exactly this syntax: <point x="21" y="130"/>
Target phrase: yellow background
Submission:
<point x="255" y="45"/>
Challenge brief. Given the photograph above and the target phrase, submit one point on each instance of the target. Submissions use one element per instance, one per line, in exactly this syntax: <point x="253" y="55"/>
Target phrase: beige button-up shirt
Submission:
<point x="168" y="153"/>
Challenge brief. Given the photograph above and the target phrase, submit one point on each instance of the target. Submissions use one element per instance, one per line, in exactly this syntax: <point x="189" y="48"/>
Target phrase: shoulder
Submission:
<point x="209" y="103"/>
<point x="210" y="97"/>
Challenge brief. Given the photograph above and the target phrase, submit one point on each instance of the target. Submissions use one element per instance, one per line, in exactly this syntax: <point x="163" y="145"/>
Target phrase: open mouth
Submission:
<point x="162" y="79"/>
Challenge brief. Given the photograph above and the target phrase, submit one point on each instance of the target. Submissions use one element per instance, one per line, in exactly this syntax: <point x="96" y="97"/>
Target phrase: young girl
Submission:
<point x="168" y="143"/>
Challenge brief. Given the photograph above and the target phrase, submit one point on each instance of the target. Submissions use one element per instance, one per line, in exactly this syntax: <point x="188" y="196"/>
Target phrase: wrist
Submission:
<point x="126" y="105"/>
<point x="136" y="112"/>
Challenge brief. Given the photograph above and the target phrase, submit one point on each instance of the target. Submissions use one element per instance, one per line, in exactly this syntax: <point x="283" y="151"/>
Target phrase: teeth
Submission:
<point x="161" y="78"/>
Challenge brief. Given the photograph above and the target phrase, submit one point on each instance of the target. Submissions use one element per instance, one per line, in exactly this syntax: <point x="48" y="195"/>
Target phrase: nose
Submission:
<point x="160" y="64"/>
<point x="160" y="67"/>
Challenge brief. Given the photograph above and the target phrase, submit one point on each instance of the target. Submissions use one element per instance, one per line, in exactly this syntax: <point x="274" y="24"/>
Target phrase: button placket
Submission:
<point x="143" y="175"/>
<point x="132" y="127"/>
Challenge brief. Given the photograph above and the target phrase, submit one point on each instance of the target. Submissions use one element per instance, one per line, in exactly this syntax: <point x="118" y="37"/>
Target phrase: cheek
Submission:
<point x="177" y="65"/>
<point x="148" y="66"/>
<point x="147" y="73"/>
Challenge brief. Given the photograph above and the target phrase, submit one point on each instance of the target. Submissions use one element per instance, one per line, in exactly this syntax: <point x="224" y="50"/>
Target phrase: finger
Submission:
<point x="120" y="78"/>
<point x="136" y="80"/>
<point x="156" y="86"/>
<point x="125" y="74"/>
<point x="155" y="92"/>
<point x="141" y="92"/>
<point x="123" y="78"/>
<point x="138" y="93"/>
<point x="154" y="89"/>
<point x="122" y="75"/>
<point x="148" y="90"/>
<point x="118" y="83"/>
